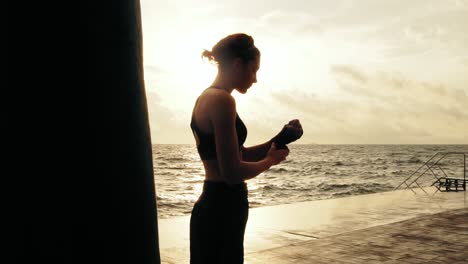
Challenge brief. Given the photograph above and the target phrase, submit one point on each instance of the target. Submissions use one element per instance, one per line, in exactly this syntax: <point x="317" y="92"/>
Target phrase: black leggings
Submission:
<point x="217" y="224"/>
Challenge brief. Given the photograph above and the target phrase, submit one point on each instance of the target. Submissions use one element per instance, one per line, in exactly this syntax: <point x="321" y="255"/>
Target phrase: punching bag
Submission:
<point x="122" y="224"/>
<point x="80" y="140"/>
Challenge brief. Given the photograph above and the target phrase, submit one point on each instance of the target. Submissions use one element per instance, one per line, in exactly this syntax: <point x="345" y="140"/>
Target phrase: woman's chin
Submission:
<point x="243" y="90"/>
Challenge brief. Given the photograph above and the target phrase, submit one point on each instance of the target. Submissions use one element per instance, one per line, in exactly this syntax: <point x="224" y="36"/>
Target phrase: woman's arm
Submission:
<point x="257" y="152"/>
<point x="232" y="168"/>
<point x="289" y="133"/>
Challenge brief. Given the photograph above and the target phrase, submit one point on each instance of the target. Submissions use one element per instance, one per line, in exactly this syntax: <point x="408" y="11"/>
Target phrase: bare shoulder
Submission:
<point x="219" y="106"/>
<point x="219" y="99"/>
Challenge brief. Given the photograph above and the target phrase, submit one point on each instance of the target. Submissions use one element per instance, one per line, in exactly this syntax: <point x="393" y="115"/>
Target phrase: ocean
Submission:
<point x="311" y="172"/>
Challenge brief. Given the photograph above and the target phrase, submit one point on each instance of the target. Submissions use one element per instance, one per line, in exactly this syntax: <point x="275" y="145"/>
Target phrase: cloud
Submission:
<point x="348" y="71"/>
<point x="154" y="70"/>
<point x="379" y="107"/>
<point x="464" y="61"/>
<point x="166" y="126"/>
<point x="326" y="118"/>
<point x="154" y="73"/>
<point x="316" y="43"/>
<point x="416" y="107"/>
<point x="397" y="28"/>
<point x="292" y="22"/>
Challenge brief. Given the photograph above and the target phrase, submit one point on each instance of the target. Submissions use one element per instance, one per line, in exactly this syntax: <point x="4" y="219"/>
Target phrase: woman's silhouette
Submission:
<point x="219" y="217"/>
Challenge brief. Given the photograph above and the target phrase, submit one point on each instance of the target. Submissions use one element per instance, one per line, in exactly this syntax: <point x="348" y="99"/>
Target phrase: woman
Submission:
<point x="219" y="217"/>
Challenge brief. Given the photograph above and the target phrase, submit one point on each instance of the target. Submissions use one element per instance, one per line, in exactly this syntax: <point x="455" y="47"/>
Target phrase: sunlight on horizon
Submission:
<point x="350" y="78"/>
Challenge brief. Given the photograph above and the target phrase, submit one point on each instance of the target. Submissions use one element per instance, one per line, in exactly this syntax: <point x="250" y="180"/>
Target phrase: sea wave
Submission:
<point x="313" y="172"/>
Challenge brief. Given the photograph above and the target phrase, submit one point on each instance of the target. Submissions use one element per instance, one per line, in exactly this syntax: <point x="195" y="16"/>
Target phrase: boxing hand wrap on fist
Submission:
<point x="290" y="133"/>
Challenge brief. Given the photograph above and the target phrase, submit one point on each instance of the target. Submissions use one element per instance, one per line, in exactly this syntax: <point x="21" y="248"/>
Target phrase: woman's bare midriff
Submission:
<point x="212" y="171"/>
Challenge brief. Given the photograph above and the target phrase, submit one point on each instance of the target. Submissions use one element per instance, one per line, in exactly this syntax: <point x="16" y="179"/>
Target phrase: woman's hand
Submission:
<point x="277" y="155"/>
<point x="290" y="132"/>
<point x="296" y="127"/>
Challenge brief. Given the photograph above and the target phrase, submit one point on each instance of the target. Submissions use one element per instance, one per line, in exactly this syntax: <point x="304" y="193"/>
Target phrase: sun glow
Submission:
<point x="325" y="64"/>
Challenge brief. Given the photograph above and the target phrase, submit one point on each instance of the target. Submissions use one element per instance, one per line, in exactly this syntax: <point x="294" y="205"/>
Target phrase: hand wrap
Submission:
<point x="287" y="135"/>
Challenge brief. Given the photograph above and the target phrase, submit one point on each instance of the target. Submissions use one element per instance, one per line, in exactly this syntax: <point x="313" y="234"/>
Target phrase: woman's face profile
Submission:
<point x="248" y="74"/>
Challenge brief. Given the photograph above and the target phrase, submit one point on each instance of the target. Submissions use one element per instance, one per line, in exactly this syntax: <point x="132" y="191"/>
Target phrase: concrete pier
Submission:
<point x="389" y="227"/>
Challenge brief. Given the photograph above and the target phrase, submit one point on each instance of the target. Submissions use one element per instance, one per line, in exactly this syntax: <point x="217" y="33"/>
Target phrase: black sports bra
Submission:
<point x="207" y="147"/>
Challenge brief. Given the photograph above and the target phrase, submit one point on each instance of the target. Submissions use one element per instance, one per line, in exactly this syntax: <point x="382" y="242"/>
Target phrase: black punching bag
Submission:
<point x="121" y="222"/>
<point x="78" y="142"/>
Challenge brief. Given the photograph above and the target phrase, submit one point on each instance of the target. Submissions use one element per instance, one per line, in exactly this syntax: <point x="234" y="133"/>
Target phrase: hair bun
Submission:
<point x="208" y="54"/>
<point x="237" y="45"/>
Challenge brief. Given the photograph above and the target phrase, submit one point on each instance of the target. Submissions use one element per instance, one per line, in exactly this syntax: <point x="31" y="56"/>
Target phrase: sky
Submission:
<point x="353" y="72"/>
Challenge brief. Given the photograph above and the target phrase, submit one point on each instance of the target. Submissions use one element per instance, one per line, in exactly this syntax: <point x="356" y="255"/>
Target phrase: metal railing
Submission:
<point x="432" y="163"/>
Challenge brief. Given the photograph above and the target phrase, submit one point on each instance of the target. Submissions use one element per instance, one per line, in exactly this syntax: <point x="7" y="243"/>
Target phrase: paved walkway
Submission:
<point x="371" y="228"/>
<point x="437" y="238"/>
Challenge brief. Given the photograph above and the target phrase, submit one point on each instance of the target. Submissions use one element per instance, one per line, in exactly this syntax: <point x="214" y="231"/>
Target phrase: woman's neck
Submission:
<point x="221" y="82"/>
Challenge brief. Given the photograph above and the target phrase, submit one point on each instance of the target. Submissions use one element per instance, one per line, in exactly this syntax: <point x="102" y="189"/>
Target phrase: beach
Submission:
<point x="337" y="230"/>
